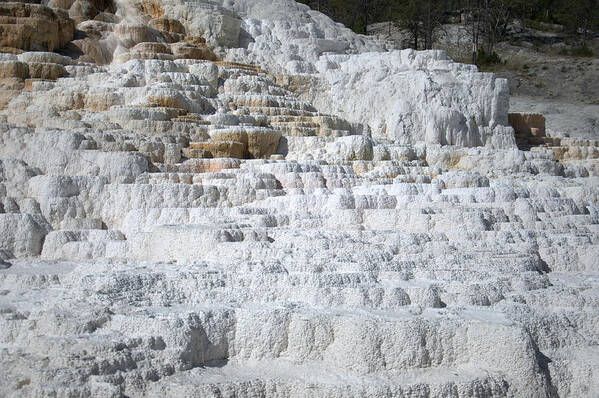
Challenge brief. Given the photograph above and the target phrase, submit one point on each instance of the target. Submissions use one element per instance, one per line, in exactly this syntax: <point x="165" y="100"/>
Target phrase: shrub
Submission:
<point x="580" y="51"/>
<point x="484" y="58"/>
<point x="542" y="26"/>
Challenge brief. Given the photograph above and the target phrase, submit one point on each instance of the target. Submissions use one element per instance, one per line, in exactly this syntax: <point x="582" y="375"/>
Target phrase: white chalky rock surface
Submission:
<point x="321" y="219"/>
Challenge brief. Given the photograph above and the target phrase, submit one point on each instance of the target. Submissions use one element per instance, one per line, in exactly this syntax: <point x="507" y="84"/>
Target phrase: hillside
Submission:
<point x="247" y="199"/>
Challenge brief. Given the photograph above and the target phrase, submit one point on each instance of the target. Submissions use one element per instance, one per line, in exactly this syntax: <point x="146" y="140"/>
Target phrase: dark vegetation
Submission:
<point x="487" y="21"/>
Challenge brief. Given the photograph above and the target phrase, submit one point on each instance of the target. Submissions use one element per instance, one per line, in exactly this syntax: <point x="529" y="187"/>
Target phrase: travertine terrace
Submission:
<point x="242" y="198"/>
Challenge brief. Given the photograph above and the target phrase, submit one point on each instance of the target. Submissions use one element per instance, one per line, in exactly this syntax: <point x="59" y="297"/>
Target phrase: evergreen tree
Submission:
<point x="487" y="20"/>
<point x="421" y="18"/>
<point x="580" y="18"/>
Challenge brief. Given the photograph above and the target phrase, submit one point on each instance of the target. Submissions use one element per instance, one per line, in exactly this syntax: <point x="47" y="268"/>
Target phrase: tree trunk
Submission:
<point x="365" y="11"/>
<point x="416" y="38"/>
<point x="474" y="10"/>
<point x="427" y="27"/>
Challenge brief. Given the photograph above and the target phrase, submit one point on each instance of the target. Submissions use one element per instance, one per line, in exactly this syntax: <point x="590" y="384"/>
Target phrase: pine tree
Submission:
<point x="421" y="18"/>
<point x="580" y="17"/>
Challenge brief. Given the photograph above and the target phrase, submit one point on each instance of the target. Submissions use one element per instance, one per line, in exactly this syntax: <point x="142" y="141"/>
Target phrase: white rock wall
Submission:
<point x="405" y="96"/>
<point x="422" y="255"/>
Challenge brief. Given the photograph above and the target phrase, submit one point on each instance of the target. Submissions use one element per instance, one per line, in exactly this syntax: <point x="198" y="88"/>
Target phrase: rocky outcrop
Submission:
<point x="528" y="124"/>
<point x="34" y="27"/>
<point x="23" y="234"/>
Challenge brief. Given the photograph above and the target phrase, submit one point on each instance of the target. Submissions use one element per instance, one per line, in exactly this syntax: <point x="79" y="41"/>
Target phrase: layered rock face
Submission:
<point x="30" y="26"/>
<point x="243" y="198"/>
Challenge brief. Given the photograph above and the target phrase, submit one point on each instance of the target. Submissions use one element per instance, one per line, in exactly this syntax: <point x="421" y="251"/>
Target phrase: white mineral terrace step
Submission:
<point x="288" y="378"/>
<point x="274" y="111"/>
<point x="342" y="339"/>
<point x="84" y="244"/>
<point x="388" y="238"/>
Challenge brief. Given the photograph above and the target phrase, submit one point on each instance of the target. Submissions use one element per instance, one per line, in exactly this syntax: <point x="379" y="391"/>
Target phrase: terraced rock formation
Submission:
<point x="243" y="198"/>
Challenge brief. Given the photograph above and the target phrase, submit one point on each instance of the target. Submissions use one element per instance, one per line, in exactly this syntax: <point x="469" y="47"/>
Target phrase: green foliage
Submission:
<point x="532" y="24"/>
<point x="542" y="26"/>
<point x="355" y="14"/>
<point x="580" y="51"/>
<point x="484" y="58"/>
<point x="422" y="17"/>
